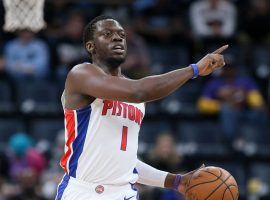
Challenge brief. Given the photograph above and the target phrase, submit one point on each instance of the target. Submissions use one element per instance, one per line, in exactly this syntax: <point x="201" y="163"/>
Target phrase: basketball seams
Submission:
<point x="224" y="193"/>
<point x="204" y="183"/>
<point x="223" y="181"/>
<point x="215" y="174"/>
<point x="218" y="185"/>
<point x="201" y="184"/>
<point x="190" y="179"/>
<point x="232" y="185"/>
<point x="228" y="186"/>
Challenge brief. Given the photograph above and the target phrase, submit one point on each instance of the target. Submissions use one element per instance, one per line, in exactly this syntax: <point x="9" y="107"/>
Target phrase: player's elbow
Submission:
<point x="137" y="92"/>
<point x="138" y="95"/>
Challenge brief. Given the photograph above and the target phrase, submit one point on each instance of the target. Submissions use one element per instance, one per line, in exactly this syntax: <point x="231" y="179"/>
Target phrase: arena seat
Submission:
<point x="9" y="127"/>
<point x="46" y="128"/>
<point x="258" y="136"/>
<point x="38" y="96"/>
<point x="168" y="57"/>
<point x="7" y="103"/>
<point x="261" y="55"/>
<point x="206" y="135"/>
<point x="151" y="129"/>
<point x="183" y="100"/>
<point x="260" y="170"/>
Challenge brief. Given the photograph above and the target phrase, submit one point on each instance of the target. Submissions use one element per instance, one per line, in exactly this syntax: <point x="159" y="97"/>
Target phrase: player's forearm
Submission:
<point x="149" y="175"/>
<point x="155" y="87"/>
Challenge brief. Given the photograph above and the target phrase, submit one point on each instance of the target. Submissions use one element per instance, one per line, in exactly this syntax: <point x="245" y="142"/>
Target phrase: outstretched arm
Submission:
<point x="92" y="81"/>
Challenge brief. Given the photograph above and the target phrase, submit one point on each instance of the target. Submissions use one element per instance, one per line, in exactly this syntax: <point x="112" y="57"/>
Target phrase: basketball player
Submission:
<point x="103" y="114"/>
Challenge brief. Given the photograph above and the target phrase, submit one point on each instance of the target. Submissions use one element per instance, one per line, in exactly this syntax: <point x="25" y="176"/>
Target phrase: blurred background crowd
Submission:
<point x="220" y="120"/>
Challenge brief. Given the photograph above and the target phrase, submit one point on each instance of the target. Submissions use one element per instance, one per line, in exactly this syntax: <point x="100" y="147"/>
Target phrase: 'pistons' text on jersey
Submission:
<point x="102" y="142"/>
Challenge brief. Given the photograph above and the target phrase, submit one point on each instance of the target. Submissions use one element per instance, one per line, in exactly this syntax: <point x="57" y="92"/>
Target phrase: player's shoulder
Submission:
<point x="82" y="69"/>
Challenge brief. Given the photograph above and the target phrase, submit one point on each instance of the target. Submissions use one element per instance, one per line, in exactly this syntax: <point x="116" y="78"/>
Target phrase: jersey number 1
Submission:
<point x="124" y="138"/>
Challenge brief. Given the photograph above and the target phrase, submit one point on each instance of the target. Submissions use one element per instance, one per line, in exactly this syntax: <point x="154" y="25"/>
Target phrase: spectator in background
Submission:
<point x="213" y="19"/>
<point x="26" y="166"/>
<point x="4" y="166"/>
<point x="56" y="12"/>
<point x="237" y="100"/>
<point x="54" y="173"/>
<point x="29" y="184"/>
<point x="256" y="18"/>
<point x="19" y="143"/>
<point x="164" y="156"/>
<point x="3" y="73"/>
<point x="138" y="59"/>
<point x="165" y="29"/>
<point x="117" y="11"/>
<point x="7" y="86"/>
<point x="1" y="194"/>
<point x="70" y="49"/>
<point x="257" y="30"/>
<point x="160" y="22"/>
<point x="26" y="56"/>
<point x="2" y="66"/>
<point x="139" y="5"/>
<point x="23" y="155"/>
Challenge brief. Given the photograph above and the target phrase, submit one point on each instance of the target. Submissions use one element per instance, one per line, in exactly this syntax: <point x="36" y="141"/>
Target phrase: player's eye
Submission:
<point x="107" y="33"/>
<point x="122" y="34"/>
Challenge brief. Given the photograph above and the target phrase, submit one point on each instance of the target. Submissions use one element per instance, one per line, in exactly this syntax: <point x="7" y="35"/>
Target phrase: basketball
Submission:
<point x="211" y="183"/>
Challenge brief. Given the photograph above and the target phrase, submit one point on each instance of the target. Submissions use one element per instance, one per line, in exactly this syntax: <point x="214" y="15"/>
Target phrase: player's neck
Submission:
<point x="112" y="70"/>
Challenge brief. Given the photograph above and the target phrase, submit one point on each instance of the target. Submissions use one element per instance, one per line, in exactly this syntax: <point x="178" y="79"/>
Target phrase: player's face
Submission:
<point x="110" y="41"/>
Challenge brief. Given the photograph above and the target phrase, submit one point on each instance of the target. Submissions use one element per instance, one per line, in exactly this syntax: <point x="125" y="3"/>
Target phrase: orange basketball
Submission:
<point x="211" y="183"/>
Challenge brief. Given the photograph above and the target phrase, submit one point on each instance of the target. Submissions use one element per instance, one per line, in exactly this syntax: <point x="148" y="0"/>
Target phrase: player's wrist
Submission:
<point x="195" y="69"/>
<point x="177" y="182"/>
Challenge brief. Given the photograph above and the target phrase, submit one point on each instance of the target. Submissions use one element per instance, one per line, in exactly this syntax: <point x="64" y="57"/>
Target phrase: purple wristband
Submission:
<point x="177" y="181"/>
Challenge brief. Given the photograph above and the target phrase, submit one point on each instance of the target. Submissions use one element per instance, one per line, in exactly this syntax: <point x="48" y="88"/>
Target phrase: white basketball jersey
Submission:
<point x="102" y="142"/>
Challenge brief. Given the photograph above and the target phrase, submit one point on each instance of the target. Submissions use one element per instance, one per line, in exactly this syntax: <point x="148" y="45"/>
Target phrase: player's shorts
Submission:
<point x="72" y="189"/>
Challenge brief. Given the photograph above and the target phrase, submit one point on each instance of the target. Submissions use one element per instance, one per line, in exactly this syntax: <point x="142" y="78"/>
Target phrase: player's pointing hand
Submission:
<point x="211" y="61"/>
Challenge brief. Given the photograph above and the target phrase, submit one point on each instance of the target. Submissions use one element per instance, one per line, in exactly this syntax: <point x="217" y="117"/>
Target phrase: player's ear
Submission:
<point x="89" y="46"/>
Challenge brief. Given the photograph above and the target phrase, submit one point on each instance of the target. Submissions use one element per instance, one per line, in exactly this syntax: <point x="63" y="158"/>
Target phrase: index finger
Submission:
<point x="221" y="49"/>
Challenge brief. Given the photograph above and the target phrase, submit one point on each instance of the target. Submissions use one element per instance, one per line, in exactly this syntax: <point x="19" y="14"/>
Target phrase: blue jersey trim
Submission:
<point x="83" y="117"/>
<point x="61" y="188"/>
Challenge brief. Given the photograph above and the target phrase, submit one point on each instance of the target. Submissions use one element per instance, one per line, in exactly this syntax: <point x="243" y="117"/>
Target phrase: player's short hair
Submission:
<point x="89" y="29"/>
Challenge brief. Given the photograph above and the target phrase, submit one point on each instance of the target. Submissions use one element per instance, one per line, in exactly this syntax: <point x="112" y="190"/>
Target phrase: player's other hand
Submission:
<point x="186" y="178"/>
<point x="212" y="61"/>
